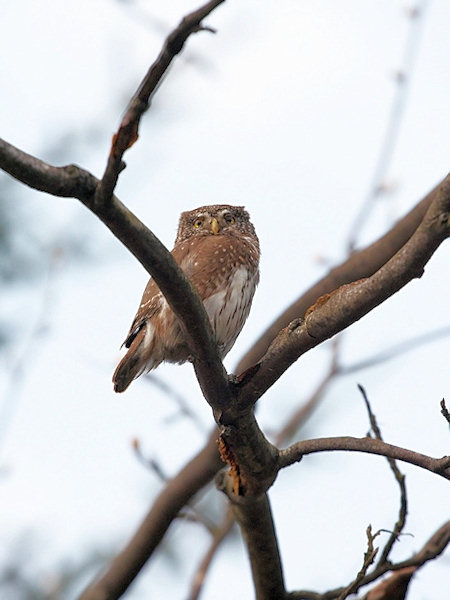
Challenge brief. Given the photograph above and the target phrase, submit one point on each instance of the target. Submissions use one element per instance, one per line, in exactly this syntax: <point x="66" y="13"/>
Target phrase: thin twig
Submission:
<point x="190" y="512"/>
<point x="400" y="479"/>
<point x="396" y="350"/>
<point x="444" y="411"/>
<point x="179" y="400"/>
<point x="369" y="558"/>
<point x="403" y="78"/>
<point x="149" y="462"/>
<point x="431" y="550"/>
<point x="218" y="536"/>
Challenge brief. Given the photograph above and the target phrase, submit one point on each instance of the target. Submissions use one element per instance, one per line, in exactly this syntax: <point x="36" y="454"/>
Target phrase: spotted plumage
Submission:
<point x="218" y="250"/>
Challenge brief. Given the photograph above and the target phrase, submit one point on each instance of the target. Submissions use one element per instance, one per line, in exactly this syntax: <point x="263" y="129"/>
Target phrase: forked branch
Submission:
<point x="431" y="550"/>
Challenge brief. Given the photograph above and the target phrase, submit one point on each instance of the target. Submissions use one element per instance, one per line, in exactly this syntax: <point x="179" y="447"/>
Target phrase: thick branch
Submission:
<point x="255" y="519"/>
<point x="336" y="311"/>
<point x="440" y="466"/>
<point x="362" y="263"/>
<point x="74" y="182"/>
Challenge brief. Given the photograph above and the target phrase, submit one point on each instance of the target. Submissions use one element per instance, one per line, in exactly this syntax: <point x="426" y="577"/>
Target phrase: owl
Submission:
<point x="218" y="250"/>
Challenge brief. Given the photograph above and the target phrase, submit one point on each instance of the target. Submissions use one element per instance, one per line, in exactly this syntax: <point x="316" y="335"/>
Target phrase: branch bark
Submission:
<point x="254" y="515"/>
<point x="246" y="445"/>
<point x="360" y="264"/>
<point x="336" y="311"/>
<point x="72" y="181"/>
<point x="254" y="461"/>
<point x="293" y="454"/>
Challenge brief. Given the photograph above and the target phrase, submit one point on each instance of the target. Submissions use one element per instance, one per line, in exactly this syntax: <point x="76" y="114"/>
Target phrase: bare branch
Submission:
<point x="431" y="550"/>
<point x="177" y="493"/>
<point x="287" y="457"/>
<point x="149" y="463"/>
<point x="336" y="311"/>
<point x="400" y="479"/>
<point x="369" y="557"/>
<point x="128" y="131"/>
<point x="362" y="263"/>
<point x="254" y="515"/>
<point x="218" y="536"/>
<point x="378" y="185"/>
<point x="146" y="247"/>
<point x="444" y="411"/>
<point x="393" y="588"/>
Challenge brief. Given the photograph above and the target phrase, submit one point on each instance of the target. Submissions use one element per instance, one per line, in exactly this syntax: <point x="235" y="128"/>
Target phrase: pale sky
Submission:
<point x="283" y="110"/>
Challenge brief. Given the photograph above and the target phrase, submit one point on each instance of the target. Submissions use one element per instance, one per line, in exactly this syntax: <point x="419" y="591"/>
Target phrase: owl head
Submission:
<point x="217" y="219"/>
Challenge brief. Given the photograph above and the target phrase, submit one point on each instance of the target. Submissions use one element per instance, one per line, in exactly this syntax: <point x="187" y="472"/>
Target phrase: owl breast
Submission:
<point x="229" y="307"/>
<point x="224" y="270"/>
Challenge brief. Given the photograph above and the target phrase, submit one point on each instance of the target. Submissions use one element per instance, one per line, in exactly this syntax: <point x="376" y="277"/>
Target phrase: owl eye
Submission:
<point x="229" y="218"/>
<point x="198" y="223"/>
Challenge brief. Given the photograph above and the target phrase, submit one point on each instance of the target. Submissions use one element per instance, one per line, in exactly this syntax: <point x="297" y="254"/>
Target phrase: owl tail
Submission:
<point x="135" y="362"/>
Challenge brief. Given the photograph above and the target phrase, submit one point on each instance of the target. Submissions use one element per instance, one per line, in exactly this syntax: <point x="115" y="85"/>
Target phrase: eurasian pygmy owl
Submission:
<point x="218" y="250"/>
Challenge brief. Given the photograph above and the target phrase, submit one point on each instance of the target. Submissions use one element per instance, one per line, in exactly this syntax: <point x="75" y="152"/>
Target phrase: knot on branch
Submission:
<point x="444" y="221"/>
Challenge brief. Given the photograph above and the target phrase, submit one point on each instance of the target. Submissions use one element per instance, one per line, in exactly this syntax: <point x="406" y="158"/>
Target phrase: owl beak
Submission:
<point x="215" y="227"/>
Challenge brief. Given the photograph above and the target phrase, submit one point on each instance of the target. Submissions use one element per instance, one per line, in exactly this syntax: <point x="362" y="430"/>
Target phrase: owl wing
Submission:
<point x="149" y="306"/>
<point x="142" y="336"/>
<point x="138" y="357"/>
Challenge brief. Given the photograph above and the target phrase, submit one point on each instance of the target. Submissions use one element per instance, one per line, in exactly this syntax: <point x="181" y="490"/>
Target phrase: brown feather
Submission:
<point x="221" y="261"/>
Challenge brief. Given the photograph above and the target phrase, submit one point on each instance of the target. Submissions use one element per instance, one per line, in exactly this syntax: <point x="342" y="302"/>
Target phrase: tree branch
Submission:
<point x="257" y="470"/>
<point x="128" y="131"/>
<point x="287" y="457"/>
<point x="72" y="181"/>
<point x="254" y="462"/>
<point x="362" y="263"/>
<point x="400" y="479"/>
<point x="254" y="515"/>
<point x="431" y="550"/>
<point x="218" y="536"/>
<point x="177" y="493"/>
<point x="336" y="311"/>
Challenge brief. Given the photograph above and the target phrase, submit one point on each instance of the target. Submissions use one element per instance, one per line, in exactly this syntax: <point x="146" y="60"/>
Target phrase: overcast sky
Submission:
<point x="284" y="110"/>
